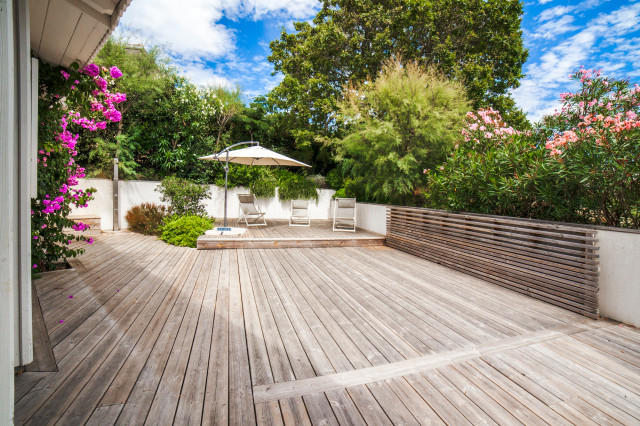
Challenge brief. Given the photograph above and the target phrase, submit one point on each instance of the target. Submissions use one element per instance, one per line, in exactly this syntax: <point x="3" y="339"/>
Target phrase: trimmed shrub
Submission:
<point x="185" y="198"/>
<point x="146" y="218"/>
<point x="184" y="230"/>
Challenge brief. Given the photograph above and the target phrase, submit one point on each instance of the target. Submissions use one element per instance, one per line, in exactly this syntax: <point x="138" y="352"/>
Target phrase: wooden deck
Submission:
<point x="278" y="234"/>
<point x="156" y="334"/>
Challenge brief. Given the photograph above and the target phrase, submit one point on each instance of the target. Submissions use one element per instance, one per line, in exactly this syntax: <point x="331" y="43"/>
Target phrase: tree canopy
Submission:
<point x="406" y="120"/>
<point x="477" y="42"/>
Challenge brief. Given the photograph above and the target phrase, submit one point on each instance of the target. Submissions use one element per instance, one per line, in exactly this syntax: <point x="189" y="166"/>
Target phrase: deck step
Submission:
<point x="214" y="243"/>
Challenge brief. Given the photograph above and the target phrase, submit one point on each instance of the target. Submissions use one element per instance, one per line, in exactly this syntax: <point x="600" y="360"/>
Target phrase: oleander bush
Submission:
<point x="146" y="218"/>
<point x="184" y="230"/>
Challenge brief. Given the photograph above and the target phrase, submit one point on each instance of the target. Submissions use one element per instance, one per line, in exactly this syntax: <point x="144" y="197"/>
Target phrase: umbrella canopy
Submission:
<point x="255" y="156"/>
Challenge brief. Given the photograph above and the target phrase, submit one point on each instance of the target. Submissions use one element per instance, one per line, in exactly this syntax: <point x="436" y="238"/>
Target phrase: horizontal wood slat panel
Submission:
<point x="553" y="262"/>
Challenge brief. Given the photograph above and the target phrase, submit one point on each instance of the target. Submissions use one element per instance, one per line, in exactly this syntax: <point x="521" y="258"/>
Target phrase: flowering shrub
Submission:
<point x="581" y="164"/>
<point x="486" y="128"/>
<point x="69" y="100"/>
<point x="596" y="139"/>
<point x="494" y="170"/>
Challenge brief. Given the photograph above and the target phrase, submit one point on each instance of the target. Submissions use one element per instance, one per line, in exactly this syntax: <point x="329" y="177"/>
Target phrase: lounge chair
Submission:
<point x="250" y="212"/>
<point x="344" y="214"/>
<point x="299" y="213"/>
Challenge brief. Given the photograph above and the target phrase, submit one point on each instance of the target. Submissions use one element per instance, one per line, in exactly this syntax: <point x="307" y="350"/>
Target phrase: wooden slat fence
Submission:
<point x="553" y="262"/>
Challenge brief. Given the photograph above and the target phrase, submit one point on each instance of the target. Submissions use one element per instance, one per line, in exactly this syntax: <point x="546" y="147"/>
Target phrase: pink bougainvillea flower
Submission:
<point x="34" y="266"/>
<point x="65" y="74"/>
<point x="90" y="240"/>
<point x="115" y="72"/>
<point x="71" y="296"/>
<point x="92" y="70"/>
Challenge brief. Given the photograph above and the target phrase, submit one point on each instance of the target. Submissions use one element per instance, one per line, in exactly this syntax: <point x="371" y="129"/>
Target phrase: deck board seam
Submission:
<point x="266" y="393"/>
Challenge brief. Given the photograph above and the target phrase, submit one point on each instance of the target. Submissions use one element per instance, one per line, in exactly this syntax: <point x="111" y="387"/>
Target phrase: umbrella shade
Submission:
<point x="255" y="156"/>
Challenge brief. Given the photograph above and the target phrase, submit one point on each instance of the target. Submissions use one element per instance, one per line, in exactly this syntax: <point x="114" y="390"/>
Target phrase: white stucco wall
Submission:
<point x="620" y="276"/>
<point x="132" y="193"/>
<point x="372" y="217"/>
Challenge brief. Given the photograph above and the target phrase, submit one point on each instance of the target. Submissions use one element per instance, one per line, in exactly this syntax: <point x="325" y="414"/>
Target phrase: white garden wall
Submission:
<point x="132" y="193"/>
<point x="620" y="276"/>
<point x="372" y="217"/>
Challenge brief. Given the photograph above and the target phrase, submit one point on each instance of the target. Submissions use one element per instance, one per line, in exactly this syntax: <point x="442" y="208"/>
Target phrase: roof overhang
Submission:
<point x="67" y="31"/>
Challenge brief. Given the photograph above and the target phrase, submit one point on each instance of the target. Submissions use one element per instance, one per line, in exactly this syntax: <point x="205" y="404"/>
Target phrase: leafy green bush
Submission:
<point x="184" y="230"/>
<point x="293" y="186"/>
<point x="264" y="188"/>
<point x="146" y="218"/>
<point x="185" y="198"/>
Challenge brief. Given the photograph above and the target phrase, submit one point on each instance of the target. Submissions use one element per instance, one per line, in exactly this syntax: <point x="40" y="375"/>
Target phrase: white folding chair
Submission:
<point x="344" y="214"/>
<point x="250" y="212"/>
<point x="299" y="213"/>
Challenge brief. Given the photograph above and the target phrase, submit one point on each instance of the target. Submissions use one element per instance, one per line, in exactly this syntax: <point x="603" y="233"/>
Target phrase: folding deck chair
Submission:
<point x="299" y="213"/>
<point x="344" y="215"/>
<point x="250" y="212"/>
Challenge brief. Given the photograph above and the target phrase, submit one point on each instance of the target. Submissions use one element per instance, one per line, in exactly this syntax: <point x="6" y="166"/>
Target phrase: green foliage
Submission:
<point x="510" y="178"/>
<point x="184" y="197"/>
<point x="404" y="121"/>
<point x="146" y="218"/>
<point x="293" y="186"/>
<point x="264" y="188"/>
<point x="104" y="151"/>
<point x="335" y="180"/>
<point x="477" y="42"/>
<point x="184" y="230"/>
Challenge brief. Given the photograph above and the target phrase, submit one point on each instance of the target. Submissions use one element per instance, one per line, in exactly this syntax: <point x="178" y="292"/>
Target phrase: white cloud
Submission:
<point x="200" y="75"/>
<point x="544" y="1"/>
<point x="554" y="12"/>
<point x="539" y="91"/>
<point x="552" y="29"/>
<point x="188" y="29"/>
<point x="257" y="9"/>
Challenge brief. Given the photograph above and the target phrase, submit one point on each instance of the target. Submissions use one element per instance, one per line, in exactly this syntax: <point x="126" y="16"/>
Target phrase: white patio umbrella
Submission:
<point x="254" y="155"/>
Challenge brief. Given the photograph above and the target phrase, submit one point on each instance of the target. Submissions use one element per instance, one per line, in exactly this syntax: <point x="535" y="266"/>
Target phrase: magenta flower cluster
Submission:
<point x="103" y="110"/>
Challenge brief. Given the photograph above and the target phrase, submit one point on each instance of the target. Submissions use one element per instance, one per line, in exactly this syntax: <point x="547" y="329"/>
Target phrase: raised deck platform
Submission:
<point x="278" y="234"/>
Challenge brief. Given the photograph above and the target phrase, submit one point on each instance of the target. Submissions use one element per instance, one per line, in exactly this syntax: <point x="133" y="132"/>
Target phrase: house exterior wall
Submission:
<point x="16" y="346"/>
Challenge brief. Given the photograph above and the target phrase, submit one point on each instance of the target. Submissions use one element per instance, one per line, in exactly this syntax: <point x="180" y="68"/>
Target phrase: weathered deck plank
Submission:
<point x="314" y="336"/>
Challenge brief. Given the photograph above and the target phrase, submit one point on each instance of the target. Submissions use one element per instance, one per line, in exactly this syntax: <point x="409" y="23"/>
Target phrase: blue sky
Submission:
<point x="226" y="42"/>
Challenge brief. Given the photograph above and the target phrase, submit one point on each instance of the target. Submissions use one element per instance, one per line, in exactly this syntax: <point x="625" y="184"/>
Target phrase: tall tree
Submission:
<point x="478" y="42"/>
<point x="403" y="122"/>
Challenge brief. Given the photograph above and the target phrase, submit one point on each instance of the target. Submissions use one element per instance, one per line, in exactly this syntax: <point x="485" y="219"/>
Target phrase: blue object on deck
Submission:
<point x="223" y="229"/>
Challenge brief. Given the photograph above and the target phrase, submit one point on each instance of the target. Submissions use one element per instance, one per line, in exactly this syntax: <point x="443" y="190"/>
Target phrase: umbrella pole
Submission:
<point x="226" y="172"/>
